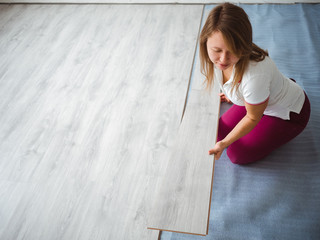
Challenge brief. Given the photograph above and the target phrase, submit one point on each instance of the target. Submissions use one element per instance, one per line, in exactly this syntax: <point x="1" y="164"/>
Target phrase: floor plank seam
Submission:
<point x="214" y="160"/>
<point x="193" y="65"/>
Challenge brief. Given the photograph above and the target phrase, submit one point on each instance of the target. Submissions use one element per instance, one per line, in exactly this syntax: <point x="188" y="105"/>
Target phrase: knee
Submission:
<point x="239" y="161"/>
<point x="242" y="156"/>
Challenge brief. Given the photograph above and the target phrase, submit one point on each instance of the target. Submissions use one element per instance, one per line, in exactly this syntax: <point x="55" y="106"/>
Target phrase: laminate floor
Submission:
<point x="91" y="97"/>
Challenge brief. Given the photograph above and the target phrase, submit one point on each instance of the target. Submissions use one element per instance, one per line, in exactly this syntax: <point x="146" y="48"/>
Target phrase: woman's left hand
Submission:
<point x="218" y="149"/>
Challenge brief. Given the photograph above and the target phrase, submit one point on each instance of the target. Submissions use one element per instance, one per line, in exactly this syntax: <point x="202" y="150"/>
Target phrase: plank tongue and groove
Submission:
<point x="182" y="198"/>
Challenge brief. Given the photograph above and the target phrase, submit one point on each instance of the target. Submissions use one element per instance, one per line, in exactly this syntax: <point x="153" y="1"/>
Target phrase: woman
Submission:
<point x="268" y="109"/>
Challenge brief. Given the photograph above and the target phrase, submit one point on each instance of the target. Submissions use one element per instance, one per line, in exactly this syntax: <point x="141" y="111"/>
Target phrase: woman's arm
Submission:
<point x="247" y="123"/>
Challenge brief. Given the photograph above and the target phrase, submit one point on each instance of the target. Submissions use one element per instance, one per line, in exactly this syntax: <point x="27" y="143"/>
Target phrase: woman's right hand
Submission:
<point x="223" y="98"/>
<point x="218" y="149"/>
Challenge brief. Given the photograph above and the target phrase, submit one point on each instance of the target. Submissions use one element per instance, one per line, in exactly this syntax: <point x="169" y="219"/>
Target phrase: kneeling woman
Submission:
<point x="268" y="109"/>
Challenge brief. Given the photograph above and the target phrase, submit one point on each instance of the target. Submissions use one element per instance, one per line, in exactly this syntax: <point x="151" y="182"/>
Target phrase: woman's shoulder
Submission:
<point x="265" y="68"/>
<point x="259" y="71"/>
<point x="265" y="64"/>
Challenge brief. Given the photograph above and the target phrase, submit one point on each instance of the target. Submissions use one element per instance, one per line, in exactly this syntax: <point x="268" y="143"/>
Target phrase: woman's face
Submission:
<point x="218" y="52"/>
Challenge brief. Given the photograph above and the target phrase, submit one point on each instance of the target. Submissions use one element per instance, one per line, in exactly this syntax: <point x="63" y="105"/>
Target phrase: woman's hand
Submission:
<point x="223" y="98"/>
<point x="218" y="149"/>
<point x="247" y="123"/>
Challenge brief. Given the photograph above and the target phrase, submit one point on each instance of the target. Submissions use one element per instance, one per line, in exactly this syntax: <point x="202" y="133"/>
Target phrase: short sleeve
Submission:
<point x="256" y="89"/>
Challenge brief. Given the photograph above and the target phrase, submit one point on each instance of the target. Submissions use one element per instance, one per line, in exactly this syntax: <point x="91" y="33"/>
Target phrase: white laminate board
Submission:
<point x="181" y="201"/>
<point x="182" y="197"/>
<point x="87" y="94"/>
<point x="198" y="79"/>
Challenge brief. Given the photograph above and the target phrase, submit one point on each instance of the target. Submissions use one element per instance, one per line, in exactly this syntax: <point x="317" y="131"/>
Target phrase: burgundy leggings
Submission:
<point x="269" y="134"/>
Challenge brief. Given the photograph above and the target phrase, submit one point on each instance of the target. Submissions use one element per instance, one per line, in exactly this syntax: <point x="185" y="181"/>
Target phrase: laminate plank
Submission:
<point x="182" y="193"/>
<point x="87" y="94"/>
<point x="182" y="199"/>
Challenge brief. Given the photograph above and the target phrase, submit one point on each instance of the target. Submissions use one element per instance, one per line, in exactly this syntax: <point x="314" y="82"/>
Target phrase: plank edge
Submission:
<point x="214" y="162"/>
<point x="168" y="230"/>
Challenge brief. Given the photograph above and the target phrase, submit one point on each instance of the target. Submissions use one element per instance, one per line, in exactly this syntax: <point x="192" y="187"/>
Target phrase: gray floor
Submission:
<point x="90" y="98"/>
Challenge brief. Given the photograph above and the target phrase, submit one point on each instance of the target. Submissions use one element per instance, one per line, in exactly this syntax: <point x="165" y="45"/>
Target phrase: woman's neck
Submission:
<point x="227" y="74"/>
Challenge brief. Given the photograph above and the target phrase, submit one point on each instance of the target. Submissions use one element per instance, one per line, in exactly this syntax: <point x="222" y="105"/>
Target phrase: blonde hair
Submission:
<point x="233" y="22"/>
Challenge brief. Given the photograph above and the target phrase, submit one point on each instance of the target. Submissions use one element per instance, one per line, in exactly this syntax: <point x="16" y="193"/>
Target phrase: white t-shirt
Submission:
<point x="262" y="81"/>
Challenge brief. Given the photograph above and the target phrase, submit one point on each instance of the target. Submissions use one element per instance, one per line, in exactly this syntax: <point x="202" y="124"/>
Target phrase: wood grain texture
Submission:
<point x="182" y="199"/>
<point x="182" y="194"/>
<point x="87" y="94"/>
